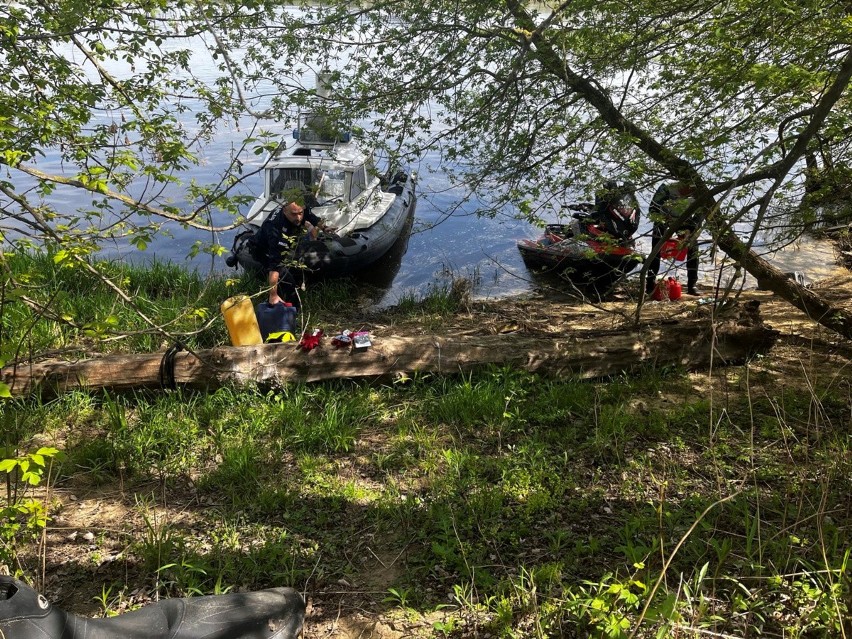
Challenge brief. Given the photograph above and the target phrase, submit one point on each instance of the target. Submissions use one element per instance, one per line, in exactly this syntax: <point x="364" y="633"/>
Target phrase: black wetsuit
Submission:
<point x="274" y="247"/>
<point x="663" y="211"/>
<point x="618" y="214"/>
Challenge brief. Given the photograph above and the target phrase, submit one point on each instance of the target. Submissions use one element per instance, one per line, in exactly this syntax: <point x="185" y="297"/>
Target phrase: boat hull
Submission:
<point x="585" y="261"/>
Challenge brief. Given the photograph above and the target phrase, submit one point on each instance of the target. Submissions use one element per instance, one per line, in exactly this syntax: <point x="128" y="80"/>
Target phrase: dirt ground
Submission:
<point x="74" y="582"/>
<point x="554" y="312"/>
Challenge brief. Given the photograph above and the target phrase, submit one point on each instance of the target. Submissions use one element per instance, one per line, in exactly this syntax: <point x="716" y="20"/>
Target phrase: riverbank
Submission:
<point x="478" y="505"/>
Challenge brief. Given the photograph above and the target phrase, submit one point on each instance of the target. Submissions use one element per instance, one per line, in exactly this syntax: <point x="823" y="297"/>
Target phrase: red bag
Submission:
<point x="673" y="250"/>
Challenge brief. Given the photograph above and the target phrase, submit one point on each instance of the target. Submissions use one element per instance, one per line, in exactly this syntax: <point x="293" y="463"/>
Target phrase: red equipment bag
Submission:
<point x="673" y="250"/>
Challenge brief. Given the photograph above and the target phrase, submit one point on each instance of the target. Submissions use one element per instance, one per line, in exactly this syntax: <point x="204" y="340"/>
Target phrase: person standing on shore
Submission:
<point x="667" y="206"/>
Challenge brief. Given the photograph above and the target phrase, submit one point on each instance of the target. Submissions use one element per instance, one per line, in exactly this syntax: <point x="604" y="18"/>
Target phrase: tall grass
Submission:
<point x="48" y="306"/>
<point x="71" y="308"/>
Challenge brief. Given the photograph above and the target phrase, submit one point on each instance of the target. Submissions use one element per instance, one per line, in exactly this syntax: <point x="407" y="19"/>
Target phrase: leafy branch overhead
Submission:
<point x="527" y="107"/>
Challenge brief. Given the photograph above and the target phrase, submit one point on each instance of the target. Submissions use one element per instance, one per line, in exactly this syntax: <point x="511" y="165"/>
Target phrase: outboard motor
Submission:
<point x="241" y="253"/>
<point x="276" y="613"/>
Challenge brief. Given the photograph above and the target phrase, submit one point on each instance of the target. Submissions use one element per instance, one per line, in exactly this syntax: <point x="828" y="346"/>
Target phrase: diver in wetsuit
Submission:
<point x="669" y="202"/>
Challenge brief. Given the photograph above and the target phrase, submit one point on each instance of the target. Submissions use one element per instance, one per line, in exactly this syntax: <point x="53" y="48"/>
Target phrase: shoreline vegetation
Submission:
<point x="497" y="503"/>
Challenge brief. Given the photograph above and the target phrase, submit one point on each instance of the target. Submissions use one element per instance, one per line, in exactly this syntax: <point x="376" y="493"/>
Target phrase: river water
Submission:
<point x="439" y="247"/>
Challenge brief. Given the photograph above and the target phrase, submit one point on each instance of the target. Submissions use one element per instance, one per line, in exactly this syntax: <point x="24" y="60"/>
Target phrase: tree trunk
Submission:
<point x="805" y="300"/>
<point x="693" y="344"/>
<point x="815" y="307"/>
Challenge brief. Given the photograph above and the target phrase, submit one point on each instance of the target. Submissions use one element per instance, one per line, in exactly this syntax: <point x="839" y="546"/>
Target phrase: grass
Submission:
<point x="554" y="515"/>
<point x="71" y="309"/>
<point x="497" y="503"/>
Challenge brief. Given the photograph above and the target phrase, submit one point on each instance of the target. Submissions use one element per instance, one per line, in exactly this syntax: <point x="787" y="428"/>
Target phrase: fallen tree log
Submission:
<point x="692" y="343"/>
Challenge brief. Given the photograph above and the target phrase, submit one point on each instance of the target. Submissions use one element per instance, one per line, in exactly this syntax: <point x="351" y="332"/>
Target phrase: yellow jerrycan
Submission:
<point x="241" y="321"/>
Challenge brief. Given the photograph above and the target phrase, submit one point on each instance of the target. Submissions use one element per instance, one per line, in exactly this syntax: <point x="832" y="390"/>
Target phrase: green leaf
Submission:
<point x="8" y="465"/>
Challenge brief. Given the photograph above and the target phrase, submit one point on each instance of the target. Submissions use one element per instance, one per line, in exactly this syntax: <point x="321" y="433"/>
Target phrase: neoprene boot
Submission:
<point x="276" y="613"/>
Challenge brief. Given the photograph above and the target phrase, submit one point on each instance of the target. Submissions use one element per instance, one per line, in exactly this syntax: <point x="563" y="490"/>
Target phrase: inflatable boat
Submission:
<point x="336" y="178"/>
